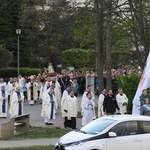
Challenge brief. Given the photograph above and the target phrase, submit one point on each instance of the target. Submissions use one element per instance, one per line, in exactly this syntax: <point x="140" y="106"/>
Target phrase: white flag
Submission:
<point x="143" y="84"/>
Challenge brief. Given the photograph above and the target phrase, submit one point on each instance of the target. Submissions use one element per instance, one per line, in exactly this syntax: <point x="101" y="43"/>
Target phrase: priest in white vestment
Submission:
<point x="12" y="90"/>
<point x="57" y="91"/>
<point x="49" y="107"/>
<point x="9" y="85"/>
<point x="122" y="101"/>
<point x="16" y="105"/>
<point x="42" y="90"/>
<point x="89" y="105"/>
<point x="32" y="91"/>
<point x="84" y="97"/>
<point x="66" y="93"/>
<point x="100" y="103"/>
<point x="71" y="111"/>
<point x="3" y="102"/>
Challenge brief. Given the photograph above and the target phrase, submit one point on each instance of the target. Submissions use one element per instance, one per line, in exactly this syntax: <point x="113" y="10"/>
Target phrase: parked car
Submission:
<point x="118" y="132"/>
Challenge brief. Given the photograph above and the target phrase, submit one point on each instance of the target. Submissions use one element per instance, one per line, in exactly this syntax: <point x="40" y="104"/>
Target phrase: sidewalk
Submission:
<point x="28" y="142"/>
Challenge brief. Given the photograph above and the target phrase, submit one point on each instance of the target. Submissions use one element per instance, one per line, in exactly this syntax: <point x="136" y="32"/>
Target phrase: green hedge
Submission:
<point x="13" y="72"/>
<point x="129" y="85"/>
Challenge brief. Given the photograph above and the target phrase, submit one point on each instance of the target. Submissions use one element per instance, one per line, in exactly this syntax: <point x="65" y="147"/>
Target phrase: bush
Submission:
<point x="13" y="72"/>
<point x="79" y="58"/>
<point x="129" y="84"/>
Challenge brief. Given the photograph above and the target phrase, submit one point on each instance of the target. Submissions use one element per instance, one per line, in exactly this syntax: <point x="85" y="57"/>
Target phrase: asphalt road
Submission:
<point x="37" y="120"/>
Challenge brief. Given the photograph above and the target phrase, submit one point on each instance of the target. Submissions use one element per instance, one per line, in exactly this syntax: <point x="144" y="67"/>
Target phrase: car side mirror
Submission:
<point x="112" y="134"/>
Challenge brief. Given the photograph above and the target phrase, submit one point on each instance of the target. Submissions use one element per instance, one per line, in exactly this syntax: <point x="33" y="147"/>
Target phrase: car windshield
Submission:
<point x="97" y="126"/>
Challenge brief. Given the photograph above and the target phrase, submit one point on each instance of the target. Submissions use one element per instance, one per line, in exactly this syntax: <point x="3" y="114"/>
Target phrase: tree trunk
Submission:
<point x="99" y="41"/>
<point x="108" y="44"/>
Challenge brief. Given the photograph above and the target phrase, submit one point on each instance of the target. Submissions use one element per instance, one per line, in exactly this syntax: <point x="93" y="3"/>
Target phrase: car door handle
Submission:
<point x="137" y="140"/>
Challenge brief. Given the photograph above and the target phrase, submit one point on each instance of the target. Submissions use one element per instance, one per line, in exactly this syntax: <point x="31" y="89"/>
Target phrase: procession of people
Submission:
<point x="62" y="92"/>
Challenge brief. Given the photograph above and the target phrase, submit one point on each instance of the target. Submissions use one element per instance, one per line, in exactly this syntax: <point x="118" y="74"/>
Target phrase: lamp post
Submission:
<point x="18" y="32"/>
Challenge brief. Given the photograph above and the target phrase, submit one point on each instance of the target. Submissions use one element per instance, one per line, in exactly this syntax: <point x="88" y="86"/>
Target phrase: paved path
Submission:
<point x="36" y="120"/>
<point x="28" y="142"/>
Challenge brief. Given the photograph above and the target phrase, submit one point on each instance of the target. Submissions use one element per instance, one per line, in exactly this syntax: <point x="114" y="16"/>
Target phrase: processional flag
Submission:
<point x="143" y="84"/>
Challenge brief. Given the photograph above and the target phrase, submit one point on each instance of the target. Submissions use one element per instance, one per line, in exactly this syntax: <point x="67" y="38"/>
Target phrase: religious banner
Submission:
<point x="143" y="84"/>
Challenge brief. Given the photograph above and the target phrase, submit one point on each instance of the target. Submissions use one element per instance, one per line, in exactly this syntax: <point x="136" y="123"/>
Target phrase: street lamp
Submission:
<point x="18" y="32"/>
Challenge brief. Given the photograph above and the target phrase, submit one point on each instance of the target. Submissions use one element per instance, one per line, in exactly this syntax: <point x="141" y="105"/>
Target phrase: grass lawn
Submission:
<point x="32" y="148"/>
<point x="40" y="132"/>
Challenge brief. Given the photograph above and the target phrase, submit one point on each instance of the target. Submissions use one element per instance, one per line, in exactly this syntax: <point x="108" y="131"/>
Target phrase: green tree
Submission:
<point x="6" y="58"/>
<point x="79" y="58"/>
<point x="10" y="21"/>
<point x="50" y="30"/>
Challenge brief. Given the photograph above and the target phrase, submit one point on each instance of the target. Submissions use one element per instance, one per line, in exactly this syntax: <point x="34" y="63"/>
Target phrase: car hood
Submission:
<point x="74" y="136"/>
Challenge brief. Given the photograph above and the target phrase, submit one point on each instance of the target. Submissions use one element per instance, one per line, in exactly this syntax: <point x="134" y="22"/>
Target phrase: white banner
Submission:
<point x="143" y="84"/>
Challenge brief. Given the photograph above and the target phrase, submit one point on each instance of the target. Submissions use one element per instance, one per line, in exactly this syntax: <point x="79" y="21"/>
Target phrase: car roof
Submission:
<point x="127" y="117"/>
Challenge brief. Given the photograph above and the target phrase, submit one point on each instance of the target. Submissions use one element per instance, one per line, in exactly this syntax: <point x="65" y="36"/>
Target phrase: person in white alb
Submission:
<point x="122" y="101"/>
<point x="71" y="110"/>
<point x="89" y="105"/>
<point x="3" y="102"/>
<point x="65" y="94"/>
<point x="16" y="105"/>
<point x="2" y="83"/>
<point x="100" y="103"/>
<point x="88" y="90"/>
<point x="42" y="90"/>
<point x="57" y="91"/>
<point x="9" y="85"/>
<point x="49" y="107"/>
<point x="32" y="91"/>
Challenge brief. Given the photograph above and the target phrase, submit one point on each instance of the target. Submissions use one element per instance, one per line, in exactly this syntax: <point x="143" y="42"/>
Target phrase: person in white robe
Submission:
<point x="66" y="93"/>
<point x="71" y="111"/>
<point x="3" y="102"/>
<point x="122" y="101"/>
<point x="9" y="85"/>
<point x="42" y="90"/>
<point x="48" y="107"/>
<point x="38" y="87"/>
<point x="12" y="90"/>
<point x="100" y="103"/>
<point x="2" y="83"/>
<point x="57" y="91"/>
<point x="16" y="105"/>
<point x="88" y="90"/>
<point x="24" y="89"/>
<point x="47" y="87"/>
<point x="48" y="81"/>
<point x="89" y="105"/>
<point x="18" y="84"/>
<point x="32" y="91"/>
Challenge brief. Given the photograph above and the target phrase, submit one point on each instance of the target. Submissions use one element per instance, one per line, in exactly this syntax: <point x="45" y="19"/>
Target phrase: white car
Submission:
<point x="118" y="132"/>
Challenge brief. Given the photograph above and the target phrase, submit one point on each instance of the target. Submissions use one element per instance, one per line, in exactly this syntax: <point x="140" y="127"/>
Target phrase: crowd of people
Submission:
<point x="62" y="91"/>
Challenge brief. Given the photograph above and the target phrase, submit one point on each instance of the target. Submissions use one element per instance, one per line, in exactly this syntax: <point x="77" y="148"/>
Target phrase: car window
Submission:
<point x="97" y="126"/>
<point x="146" y="127"/>
<point x="126" y="128"/>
